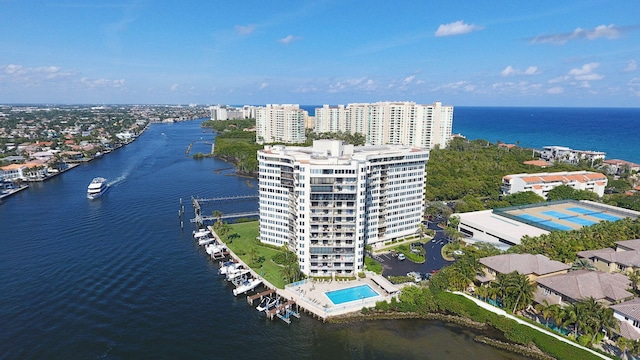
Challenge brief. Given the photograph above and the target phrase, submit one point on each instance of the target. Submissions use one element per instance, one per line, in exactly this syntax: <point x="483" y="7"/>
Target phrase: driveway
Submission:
<point x="434" y="260"/>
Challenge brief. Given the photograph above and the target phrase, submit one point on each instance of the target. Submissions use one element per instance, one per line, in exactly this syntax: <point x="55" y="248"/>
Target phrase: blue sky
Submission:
<point x="511" y="53"/>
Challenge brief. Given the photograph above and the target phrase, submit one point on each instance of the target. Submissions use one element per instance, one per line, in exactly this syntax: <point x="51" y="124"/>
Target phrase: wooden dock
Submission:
<point x="252" y="298"/>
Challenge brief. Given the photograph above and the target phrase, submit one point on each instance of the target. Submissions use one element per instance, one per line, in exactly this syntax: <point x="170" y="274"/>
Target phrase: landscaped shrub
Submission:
<point x="382" y="305"/>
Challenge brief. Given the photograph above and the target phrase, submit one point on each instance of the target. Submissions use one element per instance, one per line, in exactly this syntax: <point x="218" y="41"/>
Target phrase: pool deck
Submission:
<point x="310" y="295"/>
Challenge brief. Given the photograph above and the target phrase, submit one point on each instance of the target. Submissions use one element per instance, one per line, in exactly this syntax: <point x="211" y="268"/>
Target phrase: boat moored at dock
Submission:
<point x="247" y="285"/>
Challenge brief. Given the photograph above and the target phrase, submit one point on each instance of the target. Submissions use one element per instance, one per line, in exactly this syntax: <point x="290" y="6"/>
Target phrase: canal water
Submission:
<point x="118" y="278"/>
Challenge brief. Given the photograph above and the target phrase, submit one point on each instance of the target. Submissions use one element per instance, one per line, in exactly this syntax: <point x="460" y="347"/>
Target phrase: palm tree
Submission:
<point x="422" y="231"/>
<point x="635" y="279"/>
<point x="218" y="215"/>
<point x="557" y="313"/>
<point x="545" y="309"/>
<point x="624" y="344"/>
<point x="517" y="290"/>
<point x="570" y="316"/>
<point x="583" y="264"/>
<point x="482" y="292"/>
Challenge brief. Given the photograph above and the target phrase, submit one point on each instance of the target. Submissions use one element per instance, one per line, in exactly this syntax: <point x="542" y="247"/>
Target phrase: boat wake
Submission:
<point x="117" y="180"/>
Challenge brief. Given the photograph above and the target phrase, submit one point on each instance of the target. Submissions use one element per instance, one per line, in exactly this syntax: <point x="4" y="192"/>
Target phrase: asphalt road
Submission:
<point x="434" y="260"/>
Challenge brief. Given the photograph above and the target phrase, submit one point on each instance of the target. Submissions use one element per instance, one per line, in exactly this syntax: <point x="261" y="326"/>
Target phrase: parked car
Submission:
<point x="401" y="256"/>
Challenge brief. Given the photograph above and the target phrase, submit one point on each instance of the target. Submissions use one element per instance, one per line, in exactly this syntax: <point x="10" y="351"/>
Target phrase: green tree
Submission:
<point x="523" y="198"/>
<point x="515" y="290"/>
<point x="582" y="264"/>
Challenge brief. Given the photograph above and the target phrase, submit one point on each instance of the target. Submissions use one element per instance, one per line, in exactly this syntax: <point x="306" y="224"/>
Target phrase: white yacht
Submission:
<point x="97" y="187"/>
<point x="247" y="285"/>
<point x="201" y="234"/>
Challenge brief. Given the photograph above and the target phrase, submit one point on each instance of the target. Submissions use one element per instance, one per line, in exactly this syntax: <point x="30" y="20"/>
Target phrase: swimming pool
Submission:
<point x="350" y="294"/>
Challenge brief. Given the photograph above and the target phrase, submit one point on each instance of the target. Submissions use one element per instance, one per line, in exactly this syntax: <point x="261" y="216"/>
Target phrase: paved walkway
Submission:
<point x="499" y="311"/>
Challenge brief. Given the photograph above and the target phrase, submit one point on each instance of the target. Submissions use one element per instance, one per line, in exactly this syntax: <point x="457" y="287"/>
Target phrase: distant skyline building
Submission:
<point x="328" y="201"/>
<point x="283" y="123"/>
<point x="219" y="112"/>
<point x="402" y="123"/>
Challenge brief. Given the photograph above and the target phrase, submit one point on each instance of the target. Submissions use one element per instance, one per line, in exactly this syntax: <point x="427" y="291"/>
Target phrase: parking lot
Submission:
<point x="433" y="258"/>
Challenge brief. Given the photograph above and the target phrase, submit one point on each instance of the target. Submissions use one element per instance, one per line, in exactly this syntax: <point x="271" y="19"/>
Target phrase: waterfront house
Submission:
<point x="606" y="288"/>
<point x="617" y="166"/>
<point x="533" y="266"/>
<point x="628" y="315"/>
<point x="624" y="258"/>
<point x="13" y="172"/>
<point x="567" y="155"/>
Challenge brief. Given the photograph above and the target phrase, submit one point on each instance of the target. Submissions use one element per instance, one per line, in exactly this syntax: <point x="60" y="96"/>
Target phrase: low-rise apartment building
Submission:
<point x="542" y="183"/>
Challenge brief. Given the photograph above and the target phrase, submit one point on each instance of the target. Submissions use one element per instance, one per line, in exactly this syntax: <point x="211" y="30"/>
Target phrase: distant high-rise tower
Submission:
<point x="280" y="123"/>
<point x="403" y="123"/>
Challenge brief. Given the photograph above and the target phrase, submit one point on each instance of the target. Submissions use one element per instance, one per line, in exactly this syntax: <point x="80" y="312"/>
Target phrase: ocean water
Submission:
<point x="615" y="131"/>
<point x="118" y="278"/>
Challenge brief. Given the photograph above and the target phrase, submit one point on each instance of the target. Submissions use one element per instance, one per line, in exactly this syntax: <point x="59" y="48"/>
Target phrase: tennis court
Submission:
<point x="595" y="214"/>
<point x="570" y="218"/>
<point x="564" y="215"/>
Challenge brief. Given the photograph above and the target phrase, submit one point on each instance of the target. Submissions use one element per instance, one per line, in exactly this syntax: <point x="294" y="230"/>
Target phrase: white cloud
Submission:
<point x="289" y="39"/>
<point x="555" y="90"/>
<point x="13" y="69"/>
<point x="455" y="87"/>
<point x="604" y="31"/>
<point x="586" y="72"/>
<point x="558" y="79"/>
<point x="632" y="65"/>
<point x="456" y="28"/>
<point x="102" y="83"/>
<point x="532" y="70"/>
<point x="245" y="29"/>
<point x="601" y="31"/>
<point x="175" y="87"/>
<point x="509" y="70"/>
<point x="361" y="84"/>
<point x="34" y="76"/>
<point x="634" y="86"/>
<point x="408" y="79"/>
<point x="263" y="85"/>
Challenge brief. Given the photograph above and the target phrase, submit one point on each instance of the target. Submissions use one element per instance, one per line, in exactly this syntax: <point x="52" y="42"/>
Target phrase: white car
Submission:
<point x="401" y="256"/>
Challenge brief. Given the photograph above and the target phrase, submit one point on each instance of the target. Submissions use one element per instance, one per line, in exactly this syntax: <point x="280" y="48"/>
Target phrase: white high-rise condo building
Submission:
<point x="403" y="123"/>
<point x="326" y="202"/>
<point x="280" y="123"/>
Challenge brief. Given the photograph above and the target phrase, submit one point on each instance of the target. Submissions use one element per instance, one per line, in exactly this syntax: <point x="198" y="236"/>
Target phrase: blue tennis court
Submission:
<point x="557" y="226"/>
<point x="582" y="211"/>
<point x="531" y="218"/>
<point x="556" y="214"/>
<point x="542" y="221"/>
<point x="595" y="214"/>
<point x="351" y="294"/>
<point x="580" y="221"/>
<point x="606" y="217"/>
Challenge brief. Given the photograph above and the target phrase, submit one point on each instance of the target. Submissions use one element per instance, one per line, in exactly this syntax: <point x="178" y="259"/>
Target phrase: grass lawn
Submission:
<point x="242" y="244"/>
